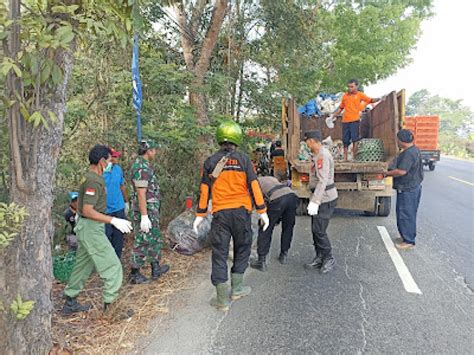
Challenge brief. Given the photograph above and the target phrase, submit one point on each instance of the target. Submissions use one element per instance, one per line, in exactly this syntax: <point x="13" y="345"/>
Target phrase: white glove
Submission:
<point x="127" y="208"/>
<point x="313" y="208"/>
<point x="196" y="223"/>
<point x="265" y="221"/>
<point x="145" y="224"/>
<point x="122" y="225"/>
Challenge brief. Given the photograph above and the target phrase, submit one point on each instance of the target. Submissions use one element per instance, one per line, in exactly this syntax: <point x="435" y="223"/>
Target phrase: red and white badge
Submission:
<point x="90" y="191"/>
<point x="320" y="164"/>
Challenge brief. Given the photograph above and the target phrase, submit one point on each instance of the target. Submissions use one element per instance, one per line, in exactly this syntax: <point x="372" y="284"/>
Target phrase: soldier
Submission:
<point x="94" y="251"/>
<point x="146" y="215"/>
<point x="228" y="176"/>
<point x="322" y="203"/>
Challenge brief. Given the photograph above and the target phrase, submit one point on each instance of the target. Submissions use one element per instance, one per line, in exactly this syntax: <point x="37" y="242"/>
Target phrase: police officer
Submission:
<point x="228" y="176"/>
<point x="146" y="215"/>
<point x="407" y="172"/>
<point x="281" y="202"/>
<point x="94" y="250"/>
<point x="322" y="203"/>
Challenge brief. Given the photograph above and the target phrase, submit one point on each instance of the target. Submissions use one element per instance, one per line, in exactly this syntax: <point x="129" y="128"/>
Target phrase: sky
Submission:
<point x="443" y="61"/>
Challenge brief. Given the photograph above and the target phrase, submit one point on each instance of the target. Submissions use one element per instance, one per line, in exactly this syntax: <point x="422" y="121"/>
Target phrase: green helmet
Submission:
<point x="229" y="131"/>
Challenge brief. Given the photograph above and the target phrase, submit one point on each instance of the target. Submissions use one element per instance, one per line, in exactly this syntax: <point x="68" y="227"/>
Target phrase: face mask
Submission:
<point x="108" y="168"/>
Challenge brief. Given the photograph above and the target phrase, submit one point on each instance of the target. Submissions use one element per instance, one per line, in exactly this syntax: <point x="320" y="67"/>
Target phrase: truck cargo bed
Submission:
<point x="346" y="167"/>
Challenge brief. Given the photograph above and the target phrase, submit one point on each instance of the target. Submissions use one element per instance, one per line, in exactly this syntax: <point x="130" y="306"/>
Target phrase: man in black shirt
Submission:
<point x="70" y="217"/>
<point x="407" y="172"/>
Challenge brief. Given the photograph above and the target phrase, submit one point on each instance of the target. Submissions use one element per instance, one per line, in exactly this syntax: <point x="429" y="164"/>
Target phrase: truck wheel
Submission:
<point x="301" y="209"/>
<point x="384" y="206"/>
<point x="431" y="166"/>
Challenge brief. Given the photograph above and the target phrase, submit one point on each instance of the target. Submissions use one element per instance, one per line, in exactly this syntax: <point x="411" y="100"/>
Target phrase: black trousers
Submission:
<point x="283" y="208"/>
<point x="319" y="226"/>
<point x="115" y="236"/>
<point x="227" y="224"/>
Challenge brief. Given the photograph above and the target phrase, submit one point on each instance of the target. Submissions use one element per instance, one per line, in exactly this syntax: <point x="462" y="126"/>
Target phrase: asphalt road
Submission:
<point x="363" y="306"/>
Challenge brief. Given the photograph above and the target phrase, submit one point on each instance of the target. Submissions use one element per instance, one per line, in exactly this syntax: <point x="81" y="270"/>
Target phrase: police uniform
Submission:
<point x="94" y="249"/>
<point x="325" y="195"/>
<point x="147" y="246"/>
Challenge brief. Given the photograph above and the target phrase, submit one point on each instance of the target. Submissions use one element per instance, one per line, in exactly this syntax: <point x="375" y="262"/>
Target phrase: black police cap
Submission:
<point x="316" y="135"/>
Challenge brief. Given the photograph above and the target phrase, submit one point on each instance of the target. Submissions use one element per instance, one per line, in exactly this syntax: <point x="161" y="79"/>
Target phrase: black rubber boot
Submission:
<point x="283" y="258"/>
<point x="72" y="306"/>
<point x="259" y="264"/>
<point x="328" y="265"/>
<point x="157" y="270"/>
<point x="136" y="277"/>
<point x="315" y="264"/>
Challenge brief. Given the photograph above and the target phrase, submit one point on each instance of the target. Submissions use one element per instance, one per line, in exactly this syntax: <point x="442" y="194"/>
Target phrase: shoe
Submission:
<point x="283" y="258"/>
<point x="238" y="290"/>
<point x="221" y="301"/>
<point x="315" y="264"/>
<point x="405" y="246"/>
<point x="157" y="270"/>
<point x="399" y="240"/>
<point x="136" y="277"/>
<point x="72" y="306"/>
<point x="328" y="265"/>
<point x="259" y="264"/>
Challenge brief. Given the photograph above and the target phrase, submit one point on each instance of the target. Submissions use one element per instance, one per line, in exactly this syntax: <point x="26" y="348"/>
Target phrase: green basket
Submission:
<point x="370" y="150"/>
<point x="63" y="265"/>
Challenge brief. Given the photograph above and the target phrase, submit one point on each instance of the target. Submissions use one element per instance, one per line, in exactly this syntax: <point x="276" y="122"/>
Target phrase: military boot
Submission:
<point x="72" y="306"/>
<point x="259" y="264"/>
<point x="315" y="264"/>
<point x="221" y="301"/>
<point x="157" y="270"/>
<point x="238" y="290"/>
<point x="136" y="277"/>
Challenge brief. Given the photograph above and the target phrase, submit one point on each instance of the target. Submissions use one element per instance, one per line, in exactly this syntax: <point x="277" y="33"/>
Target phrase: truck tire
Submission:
<point x="431" y="166"/>
<point x="384" y="206"/>
<point x="301" y="209"/>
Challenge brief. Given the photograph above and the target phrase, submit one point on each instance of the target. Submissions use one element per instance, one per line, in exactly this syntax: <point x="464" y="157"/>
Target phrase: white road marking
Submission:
<point x="460" y="180"/>
<point x="407" y="280"/>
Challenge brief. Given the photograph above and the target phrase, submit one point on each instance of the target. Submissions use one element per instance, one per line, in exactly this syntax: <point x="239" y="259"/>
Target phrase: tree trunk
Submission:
<point x="25" y="264"/>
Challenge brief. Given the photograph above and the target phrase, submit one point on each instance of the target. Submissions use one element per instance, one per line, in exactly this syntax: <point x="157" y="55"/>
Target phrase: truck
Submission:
<point x="362" y="186"/>
<point x="425" y="129"/>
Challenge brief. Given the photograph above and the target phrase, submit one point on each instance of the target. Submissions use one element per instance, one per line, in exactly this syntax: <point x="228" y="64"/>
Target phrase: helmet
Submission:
<point x="229" y="131"/>
<point x="73" y="195"/>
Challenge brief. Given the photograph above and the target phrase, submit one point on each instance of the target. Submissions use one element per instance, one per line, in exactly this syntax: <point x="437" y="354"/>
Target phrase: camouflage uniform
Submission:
<point x="147" y="246"/>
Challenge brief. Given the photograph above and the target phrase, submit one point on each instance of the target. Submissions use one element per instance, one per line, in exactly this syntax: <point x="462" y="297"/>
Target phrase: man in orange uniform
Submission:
<point x="352" y="104"/>
<point x="228" y="176"/>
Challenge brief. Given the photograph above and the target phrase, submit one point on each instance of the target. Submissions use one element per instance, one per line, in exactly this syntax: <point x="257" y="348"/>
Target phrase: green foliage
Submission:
<point x="11" y="219"/>
<point x="20" y="308"/>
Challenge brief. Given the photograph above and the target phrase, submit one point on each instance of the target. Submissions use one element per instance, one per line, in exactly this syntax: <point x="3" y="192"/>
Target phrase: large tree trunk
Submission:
<point x="26" y="263"/>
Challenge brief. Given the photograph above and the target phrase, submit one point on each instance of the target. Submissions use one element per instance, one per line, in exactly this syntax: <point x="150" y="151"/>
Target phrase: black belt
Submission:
<point x="328" y="187"/>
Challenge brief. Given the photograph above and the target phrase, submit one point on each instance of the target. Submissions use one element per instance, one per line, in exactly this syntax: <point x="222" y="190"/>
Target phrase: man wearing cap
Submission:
<point x="146" y="215"/>
<point x="407" y="173"/>
<point x="323" y="202"/>
<point x="117" y="201"/>
<point x="94" y="251"/>
<point x="70" y="215"/>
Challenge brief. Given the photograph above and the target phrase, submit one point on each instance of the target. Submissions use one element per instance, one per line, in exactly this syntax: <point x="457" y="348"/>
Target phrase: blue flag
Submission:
<point x="137" y="87"/>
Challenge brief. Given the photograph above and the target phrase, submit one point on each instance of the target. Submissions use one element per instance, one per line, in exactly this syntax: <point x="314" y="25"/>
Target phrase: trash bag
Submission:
<point x="182" y="237"/>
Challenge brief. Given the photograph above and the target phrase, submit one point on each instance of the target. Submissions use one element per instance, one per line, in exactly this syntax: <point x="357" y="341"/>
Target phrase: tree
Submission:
<point x="39" y="40"/>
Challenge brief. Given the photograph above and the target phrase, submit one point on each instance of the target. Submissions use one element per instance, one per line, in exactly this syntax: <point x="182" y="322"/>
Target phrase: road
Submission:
<point x="363" y="306"/>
